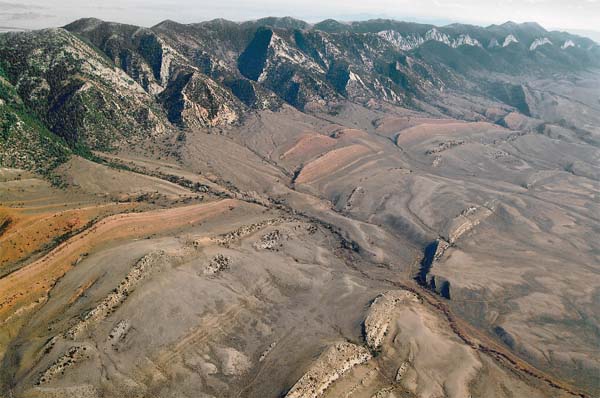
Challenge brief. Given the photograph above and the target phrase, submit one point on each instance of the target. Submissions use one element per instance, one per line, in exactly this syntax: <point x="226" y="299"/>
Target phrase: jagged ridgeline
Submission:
<point x="98" y="85"/>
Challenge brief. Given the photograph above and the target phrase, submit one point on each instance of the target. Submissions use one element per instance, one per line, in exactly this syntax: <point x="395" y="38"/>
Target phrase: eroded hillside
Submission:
<point x="272" y="208"/>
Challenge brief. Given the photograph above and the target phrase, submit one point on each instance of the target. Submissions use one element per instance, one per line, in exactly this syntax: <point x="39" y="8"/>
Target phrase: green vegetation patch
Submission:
<point x="24" y="141"/>
<point x="2" y="72"/>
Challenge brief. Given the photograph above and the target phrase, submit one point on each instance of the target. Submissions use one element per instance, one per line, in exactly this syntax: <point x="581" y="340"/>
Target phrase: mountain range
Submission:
<point x="117" y="81"/>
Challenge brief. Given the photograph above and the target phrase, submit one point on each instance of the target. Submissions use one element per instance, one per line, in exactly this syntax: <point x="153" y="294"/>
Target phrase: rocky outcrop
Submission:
<point x="330" y="366"/>
<point x="217" y="264"/>
<point x="266" y="352"/>
<point x="429" y="253"/>
<point x="387" y="392"/>
<point x="539" y="42"/>
<point x="413" y="41"/>
<point x="270" y="241"/>
<point x="508" y="40"/>
<point x="118" y="332"/>
<point x="467" y="220"/>
<point x="68" y="359"/>
<point x="230" y="237"/>
<point x="140" y="271"/>
<point x="194" y="100"/>
<point x="457" y="228"/>
<point x="354" y="195"/>
<point x="444" y="146"/>
<point x="108" y="305"/>
<point x="380" y="315"/>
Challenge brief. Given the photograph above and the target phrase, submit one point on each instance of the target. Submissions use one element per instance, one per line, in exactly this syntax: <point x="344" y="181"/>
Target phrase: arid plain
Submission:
<point x="448" y="249"/>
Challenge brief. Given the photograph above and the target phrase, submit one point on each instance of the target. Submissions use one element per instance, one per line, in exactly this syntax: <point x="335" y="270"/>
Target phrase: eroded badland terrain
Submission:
<point x="277" y="209"/>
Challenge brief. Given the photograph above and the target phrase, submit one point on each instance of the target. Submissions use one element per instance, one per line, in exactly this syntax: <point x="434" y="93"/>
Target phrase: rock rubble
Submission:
<point x="330" y="366"/>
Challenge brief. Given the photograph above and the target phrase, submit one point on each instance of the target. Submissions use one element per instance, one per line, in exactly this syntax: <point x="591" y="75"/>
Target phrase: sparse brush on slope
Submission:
<point x="75" y="91"/>
<point x="24" y="141"/>
<point x="99" y="85"/>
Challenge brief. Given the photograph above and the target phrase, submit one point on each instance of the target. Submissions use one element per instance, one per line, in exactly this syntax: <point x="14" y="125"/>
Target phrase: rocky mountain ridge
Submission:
<point x="97" y="84"/>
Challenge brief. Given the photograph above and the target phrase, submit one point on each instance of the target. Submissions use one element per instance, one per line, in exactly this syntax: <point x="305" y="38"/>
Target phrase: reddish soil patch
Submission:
<point x="426" y="131"/>
<point x="308" y="146"/>
<point x="392" y="125"/>
<point x="27" y="232"/>
<point x="330" y="162"/>
<point x="32" y="282"/>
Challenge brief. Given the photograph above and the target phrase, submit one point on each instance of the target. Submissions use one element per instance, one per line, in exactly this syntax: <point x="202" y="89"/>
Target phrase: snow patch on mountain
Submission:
<point x="567" y="44"/>
<point x="539" y="42"/>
